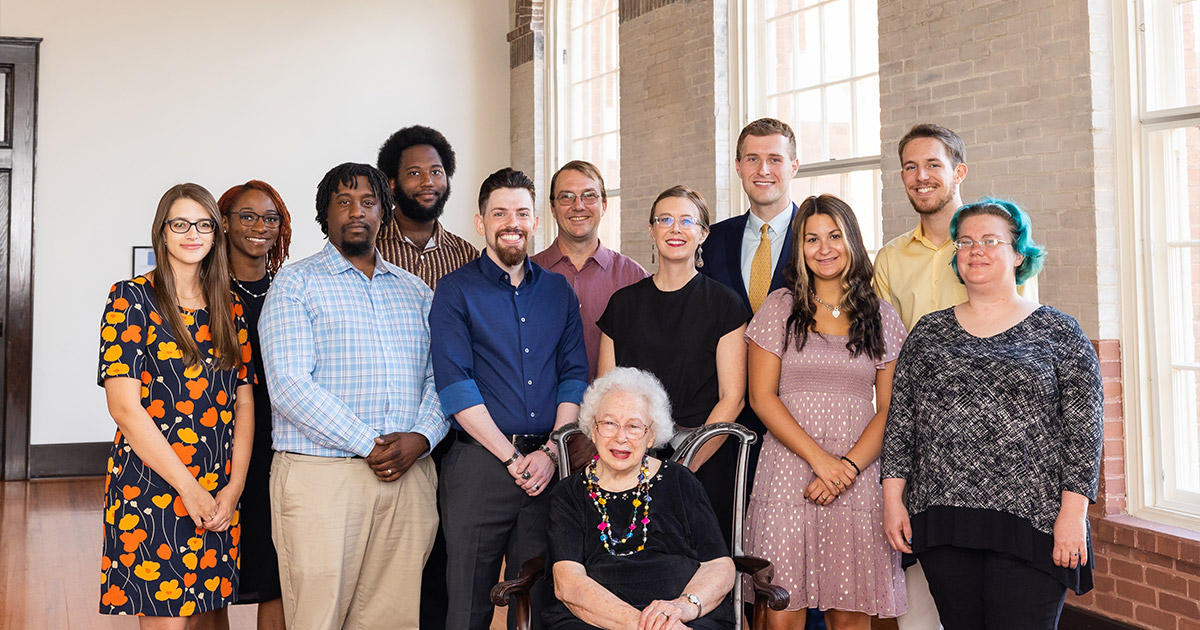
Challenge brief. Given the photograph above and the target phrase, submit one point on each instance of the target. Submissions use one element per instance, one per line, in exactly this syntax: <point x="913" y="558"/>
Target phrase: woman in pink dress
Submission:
<point x="820" y="363"/>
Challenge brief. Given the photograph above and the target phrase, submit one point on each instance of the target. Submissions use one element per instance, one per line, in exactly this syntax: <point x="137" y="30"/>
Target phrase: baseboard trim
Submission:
<point x="81" y="459"/>
<point x="1073" y="618"/>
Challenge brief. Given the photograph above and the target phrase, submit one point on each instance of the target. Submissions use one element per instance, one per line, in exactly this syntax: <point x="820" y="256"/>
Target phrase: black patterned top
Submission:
<point x="1003" y="423"/>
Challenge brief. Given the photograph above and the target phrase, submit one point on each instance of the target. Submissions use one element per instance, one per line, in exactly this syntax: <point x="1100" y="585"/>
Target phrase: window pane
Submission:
<point x="1184" y="299"/>
<point x="1172" y="58"/>
<point x="3" y="106"/>
<point x="866" y="36"/>
<point x="1186" y="438"/>
<point x="809" y="127"/>
<point x="860" y="189"/>
<point x="1176" y="155"/>
<point x="808" y="49"/>
<point x="610" y="227"/>
<point x="866" y="109"/>
<point x="836" y="16"/>
<point x="839" y="111"/>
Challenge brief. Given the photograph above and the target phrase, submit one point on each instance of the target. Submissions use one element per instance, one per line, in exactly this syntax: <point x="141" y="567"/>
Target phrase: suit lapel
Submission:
<point x="733" y="245"/>
<point x="784" y="255"/>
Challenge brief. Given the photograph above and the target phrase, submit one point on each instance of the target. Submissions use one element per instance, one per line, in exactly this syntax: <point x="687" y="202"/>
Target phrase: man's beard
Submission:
<point x="511" y="255"/>
<point x="941" y="201"/>
<point x="413" y="209"/>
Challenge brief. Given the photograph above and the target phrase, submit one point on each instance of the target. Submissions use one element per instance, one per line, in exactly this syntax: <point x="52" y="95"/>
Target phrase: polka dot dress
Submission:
<point x="834" y="556"/>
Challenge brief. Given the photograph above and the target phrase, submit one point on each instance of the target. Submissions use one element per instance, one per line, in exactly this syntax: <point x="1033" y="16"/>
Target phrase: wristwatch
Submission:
<point x="695" y="600"/>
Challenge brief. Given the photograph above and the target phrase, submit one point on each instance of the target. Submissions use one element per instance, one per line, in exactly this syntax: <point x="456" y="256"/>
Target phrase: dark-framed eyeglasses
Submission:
<point x="667" y="221"/>
<point x="248" y="219"/>
<point x="987" y="243"/>
<point x="181" y="226"/>
<point x="567" y="199"/>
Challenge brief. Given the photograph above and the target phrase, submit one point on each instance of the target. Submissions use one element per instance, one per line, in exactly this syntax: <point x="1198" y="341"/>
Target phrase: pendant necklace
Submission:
<point x="252" y="294"/>
<point x="836" y="311"/>
<point x="641" y="498"/>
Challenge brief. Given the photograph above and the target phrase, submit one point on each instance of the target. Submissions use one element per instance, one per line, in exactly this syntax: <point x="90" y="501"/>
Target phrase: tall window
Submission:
<point x="815" y="65"/>
<point x="1169" y="101"/>
<point x="588" y="90"/>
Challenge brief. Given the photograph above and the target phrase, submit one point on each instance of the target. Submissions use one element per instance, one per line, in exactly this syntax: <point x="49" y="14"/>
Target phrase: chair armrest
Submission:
<point x="508" y="591"/>
<point x="761" y="573"/>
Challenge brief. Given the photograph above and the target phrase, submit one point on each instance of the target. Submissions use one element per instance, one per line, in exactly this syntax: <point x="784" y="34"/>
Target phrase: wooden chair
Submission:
<point x="515" y="592"/>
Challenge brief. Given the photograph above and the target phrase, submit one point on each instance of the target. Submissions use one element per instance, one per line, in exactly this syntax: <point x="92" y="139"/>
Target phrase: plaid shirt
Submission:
<point x="347" y="358"/>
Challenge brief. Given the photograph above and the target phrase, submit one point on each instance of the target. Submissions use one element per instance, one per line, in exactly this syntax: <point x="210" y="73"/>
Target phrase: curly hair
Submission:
<point x="416" y="135"/>
<point x="347" y="174"/>
<point x="859" y="301"/>
<point x="279" y="251"/>
<point x="630" y="381"/>
<point x="1018" y="223"/>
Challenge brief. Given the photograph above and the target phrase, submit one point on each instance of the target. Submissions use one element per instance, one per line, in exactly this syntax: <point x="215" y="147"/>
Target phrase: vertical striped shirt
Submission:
<point x="347" y="357"/>
<point x="443" y="253"/>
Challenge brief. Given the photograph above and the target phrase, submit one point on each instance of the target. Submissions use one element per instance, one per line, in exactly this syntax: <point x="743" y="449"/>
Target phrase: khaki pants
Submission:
<point x="351" y="548"/>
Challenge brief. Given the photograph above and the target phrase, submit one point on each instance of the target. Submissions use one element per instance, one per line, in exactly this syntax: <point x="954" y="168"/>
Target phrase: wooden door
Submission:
<point x="18" y="125"/>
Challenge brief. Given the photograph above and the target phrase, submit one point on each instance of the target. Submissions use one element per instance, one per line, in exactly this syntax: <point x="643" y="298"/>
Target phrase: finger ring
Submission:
<point x="1074" y="553"/>
<point x="525" y="475"/>
<point x="837" y="483"/>
<point x="536" y="487"/>
<point x="389" y="471"/>
<point x="664" y="613"/>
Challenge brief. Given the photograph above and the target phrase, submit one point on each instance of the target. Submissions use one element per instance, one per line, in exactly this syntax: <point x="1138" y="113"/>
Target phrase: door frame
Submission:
<point x="22" y="54"/>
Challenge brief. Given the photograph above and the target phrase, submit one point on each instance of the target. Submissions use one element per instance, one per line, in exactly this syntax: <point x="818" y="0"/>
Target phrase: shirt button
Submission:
<point x="529" y="382"/>
<point x="516" y="293"/>
<point x="532" y="414"/>
<point x="526" y="350"/>
<point x="522" y="320"/>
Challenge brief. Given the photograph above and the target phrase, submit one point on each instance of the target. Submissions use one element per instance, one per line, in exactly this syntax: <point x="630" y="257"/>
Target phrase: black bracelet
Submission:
<point x="515" y="456"/>
<point x="857" y="470"/>
<point x="549" y="453"/>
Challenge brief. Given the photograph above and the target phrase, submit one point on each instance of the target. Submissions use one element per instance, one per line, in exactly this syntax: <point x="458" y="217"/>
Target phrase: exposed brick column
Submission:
<point x="527" y="123"/>
<point x="674" y="109"/>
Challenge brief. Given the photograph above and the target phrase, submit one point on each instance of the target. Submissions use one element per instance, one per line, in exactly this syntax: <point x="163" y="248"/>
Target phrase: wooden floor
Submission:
<point x="50" y="536"/>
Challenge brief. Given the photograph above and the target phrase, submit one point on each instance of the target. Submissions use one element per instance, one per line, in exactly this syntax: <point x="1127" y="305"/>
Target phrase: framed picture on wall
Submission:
<point x="143" y="260"/>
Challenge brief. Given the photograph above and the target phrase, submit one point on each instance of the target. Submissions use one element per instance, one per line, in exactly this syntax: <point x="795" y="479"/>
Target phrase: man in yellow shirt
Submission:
<point x="913" y="273"/>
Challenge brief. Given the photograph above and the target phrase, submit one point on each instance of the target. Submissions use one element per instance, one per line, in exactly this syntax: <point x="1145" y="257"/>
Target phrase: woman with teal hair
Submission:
<point x="991" y="452"/>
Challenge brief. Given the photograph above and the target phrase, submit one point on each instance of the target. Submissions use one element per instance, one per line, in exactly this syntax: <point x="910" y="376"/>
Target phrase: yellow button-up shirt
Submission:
<point x="916" y="278"/>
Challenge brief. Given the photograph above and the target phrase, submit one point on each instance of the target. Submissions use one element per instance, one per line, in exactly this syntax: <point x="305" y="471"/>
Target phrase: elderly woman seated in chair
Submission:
<point x="634" y="542"/>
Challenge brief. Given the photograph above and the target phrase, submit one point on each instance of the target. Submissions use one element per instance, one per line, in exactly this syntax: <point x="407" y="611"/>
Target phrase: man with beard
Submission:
<point x="510" y="367"/>
<point x="578" y="202"/>
<point x="913" y="273"/>
<point x="346" y="349"/>
<point x="419" y="163"/>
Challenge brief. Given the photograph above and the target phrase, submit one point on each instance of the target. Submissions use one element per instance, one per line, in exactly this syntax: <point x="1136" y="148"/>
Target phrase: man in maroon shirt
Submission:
<point x="578" y="201"/>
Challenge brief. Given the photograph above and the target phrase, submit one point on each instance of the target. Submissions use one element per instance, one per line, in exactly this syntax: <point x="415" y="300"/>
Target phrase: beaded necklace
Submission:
<point x="611" y="539"/>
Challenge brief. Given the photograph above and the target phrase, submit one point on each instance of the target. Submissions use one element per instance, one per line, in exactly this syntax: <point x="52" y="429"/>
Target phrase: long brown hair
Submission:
<point x="859" y="301"/>
<point x="214" y="283"/>
<point x="279" y="251"/>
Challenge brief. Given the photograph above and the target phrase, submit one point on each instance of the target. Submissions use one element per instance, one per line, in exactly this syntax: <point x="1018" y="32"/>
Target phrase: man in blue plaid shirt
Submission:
<point x="345" y="338"/>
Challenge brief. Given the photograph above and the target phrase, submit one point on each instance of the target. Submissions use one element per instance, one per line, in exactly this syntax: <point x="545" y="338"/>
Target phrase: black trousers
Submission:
<point x="433" y="578"/>
<point x="977" y="589"/>
<point x="487" y="518"/>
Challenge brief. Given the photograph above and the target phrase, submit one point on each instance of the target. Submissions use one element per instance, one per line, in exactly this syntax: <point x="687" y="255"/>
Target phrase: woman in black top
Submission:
<point x="633" y="540"/>
<point x="992" y="446"/>
<point x="686" y="329"/>
<point x="258" y="229"/>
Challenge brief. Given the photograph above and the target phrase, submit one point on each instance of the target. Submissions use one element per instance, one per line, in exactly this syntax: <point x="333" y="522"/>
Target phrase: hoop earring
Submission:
<point x="700" y="257"/>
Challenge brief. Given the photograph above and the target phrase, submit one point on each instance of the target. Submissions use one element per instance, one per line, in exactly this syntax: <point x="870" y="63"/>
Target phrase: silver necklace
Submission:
<point x="252" y="294"/>
<point x="836" y="311"/>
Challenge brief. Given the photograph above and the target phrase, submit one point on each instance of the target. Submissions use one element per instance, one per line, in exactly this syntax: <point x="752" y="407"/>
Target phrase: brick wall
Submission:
<point x="527" y="108"/>
<point x="674" y="109"/>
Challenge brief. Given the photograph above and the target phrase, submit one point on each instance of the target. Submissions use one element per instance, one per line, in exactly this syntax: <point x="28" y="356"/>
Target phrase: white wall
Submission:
<point x="137" y="95"/>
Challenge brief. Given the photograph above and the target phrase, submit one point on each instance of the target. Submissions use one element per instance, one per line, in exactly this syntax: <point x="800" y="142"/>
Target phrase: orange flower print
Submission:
<point x="184" y="452"/>
<point x="150" y="334"/>
<point x="132" y="333"/>
<point x="195" y="543"/>
<point x="235" y="535"/>
<point x="112" y="353"/>
<point x="105" y="563"/>
<point x="222" y="398"/>
<point x="226" y="417"/>
<point x="180" y="510"/>
<point x="169" y="350"/>
<point x="184" y="407"/>
<point x="246" y="355"/>
<point x="155" y="318"/>
<point x="189" y="561"/>
<point x="120" y="304"/>
<point x="209" y="560"/>
<point x="164" y="551"/>
<point x="147" y="570"/>
<point x="114" y="317"/>
<point x="114" y="597"/>
<point x="130" y="492"/>
<point x="209" y="417"/>
<point x="195" y="470"/>
<point x="208" y="481"/>
<point x="189" y="578"/>
<point x="128" y="522"/>
<point x="108" y="333"/>
<point x="196" y="388"/>
<point x="203" y="334"/>
<point x="187" y="435"/>
<point x="162" y="501"/>
<point x="192" y="371"/>
<point x="243" y="336"/>
<point x="117" y="369"/>
<point x="187" y="609"/>
<point x="156" y="409"/>
<point x="127" y="559"/>
<point x="226" y="587"/>
<point x="133" y="539"/>
<point x="168" y="589"/>
<point x="146" y="377"/>
<point x="237" y="309"/>
<point x="212" y="584"/>
<point x="110" y="515"/>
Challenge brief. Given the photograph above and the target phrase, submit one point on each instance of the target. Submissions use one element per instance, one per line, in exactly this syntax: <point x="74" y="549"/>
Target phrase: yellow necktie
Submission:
<point x="760" y="271"/>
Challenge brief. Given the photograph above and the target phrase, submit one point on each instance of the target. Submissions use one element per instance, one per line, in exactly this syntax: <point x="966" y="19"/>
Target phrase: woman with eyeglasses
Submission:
<point x="176" y="371"/>
<point x="633" y="539"/>
<point x="686" y="329"/>
<point x="258" y="230"/>
<point x="821" y="355"/>
<point x="992" y="448"/>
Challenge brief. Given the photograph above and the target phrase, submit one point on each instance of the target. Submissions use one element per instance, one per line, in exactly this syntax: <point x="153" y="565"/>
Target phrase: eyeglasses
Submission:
<point x="609" y="429"/>
<point x="181" y="226"/>
<point x="668" y="221"/>
<point x="567" y="199"/>
<point x="987" y="243"/>
<point x="248" y="219"/>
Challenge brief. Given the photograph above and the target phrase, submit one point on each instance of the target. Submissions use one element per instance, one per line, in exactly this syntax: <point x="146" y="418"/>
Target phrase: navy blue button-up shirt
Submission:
<point x="519" y="351"/>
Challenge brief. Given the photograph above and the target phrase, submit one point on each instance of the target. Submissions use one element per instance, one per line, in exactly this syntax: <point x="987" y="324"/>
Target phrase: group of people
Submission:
<point x="381" y="411"/>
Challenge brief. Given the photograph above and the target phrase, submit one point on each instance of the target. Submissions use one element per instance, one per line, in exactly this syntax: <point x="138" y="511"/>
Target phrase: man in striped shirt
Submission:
<point x="419" y="163"/>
